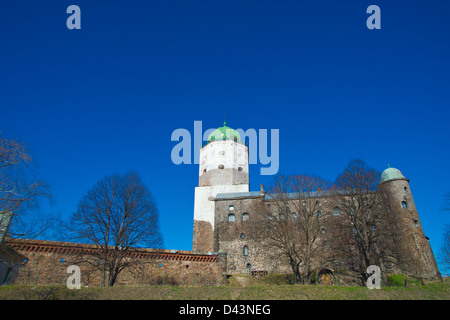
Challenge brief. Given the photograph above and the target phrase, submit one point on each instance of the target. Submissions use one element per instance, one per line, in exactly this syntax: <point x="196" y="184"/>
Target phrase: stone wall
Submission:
<point x="414" y="252"/>
<point x="47" y="262"/>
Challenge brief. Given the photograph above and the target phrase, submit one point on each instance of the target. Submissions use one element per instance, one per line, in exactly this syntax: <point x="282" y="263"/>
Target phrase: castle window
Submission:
<point x="406" y="189"/>
<point x="293" y="216"/>
<point x="204" y="170"/>
<point x="242" y="236"/>
<point x="231" y="208"/>
<point x="231" y="217"/>
<point x="336" y="211"/>
<point x="404" y="204"/>
<point x="416" y="222"/>
<point x="240" y="169"/>
<point x="322" y="231"/>
<point x="249" y="266"/>
<point x="245" y="251"/>
<point x="245" y="217"/>
<point x="221" y="166"/>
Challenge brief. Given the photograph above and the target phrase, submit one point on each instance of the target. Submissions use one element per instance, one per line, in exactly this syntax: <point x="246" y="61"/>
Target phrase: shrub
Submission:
<point x="402" y="280"/>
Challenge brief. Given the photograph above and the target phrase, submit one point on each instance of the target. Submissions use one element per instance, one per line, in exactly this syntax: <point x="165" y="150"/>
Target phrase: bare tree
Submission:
<point x="116" y="215"/>
<point x="362" y="226"/>
<point x="445" y="247"/>
<point x="293" y="224"/>
<point x="20" y="189"/>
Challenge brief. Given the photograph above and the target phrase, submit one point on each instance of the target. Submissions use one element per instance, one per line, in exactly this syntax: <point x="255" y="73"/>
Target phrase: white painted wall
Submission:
<point x="204" y="205"/>
<point x="228" y="153"/>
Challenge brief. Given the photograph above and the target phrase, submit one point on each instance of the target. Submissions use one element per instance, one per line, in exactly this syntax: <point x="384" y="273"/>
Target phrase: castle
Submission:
<point x="226" y="240"/>
<point x="225" y="207"/>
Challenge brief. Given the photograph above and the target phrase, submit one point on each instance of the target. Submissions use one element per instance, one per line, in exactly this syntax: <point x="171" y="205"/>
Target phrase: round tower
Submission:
<point x="223" y="169"/>
<point x="416" y="256"/>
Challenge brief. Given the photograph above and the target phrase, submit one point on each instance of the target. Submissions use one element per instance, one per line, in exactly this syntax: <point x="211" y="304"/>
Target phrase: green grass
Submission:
<point x="273" y="287"/>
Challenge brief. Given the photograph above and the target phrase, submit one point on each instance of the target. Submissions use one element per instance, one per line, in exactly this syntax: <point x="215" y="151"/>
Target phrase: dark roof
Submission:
<point x="234" y="195"/>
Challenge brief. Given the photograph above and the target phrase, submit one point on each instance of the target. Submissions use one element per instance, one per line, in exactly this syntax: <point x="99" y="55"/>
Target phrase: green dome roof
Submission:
<point x="224" y="133"/>
<point x="391" y="174"/>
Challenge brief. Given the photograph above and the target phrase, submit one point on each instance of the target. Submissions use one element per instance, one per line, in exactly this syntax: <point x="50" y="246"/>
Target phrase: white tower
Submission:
<point x="223" y="169"/>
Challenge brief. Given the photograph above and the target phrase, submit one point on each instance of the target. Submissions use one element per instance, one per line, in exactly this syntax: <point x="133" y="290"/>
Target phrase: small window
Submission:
<point x="242" y="236"/>
<point x="293" y="216"/>
<point x="240" y="169"/>
<point x="204" y="170"/>
<point x="319" y="214"/>
<point x="245" y="251"/>
<point x="221" y="166"/>
<point x="416" y="222"/>
<point x="404" y="204"/>
<point x="231" y="217"/>
<point x="249" y="266"/>
<point x="336" y="211"/>
<point x="281" y="216"/>
<point x="245" y="217"/>
<point x="231" y="208"/>
<point x="406" y="188"/>
<point x="322" y="231"/>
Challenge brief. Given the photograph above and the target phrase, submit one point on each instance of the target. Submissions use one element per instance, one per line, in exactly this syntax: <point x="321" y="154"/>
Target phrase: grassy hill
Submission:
<point x="240" y="288"/>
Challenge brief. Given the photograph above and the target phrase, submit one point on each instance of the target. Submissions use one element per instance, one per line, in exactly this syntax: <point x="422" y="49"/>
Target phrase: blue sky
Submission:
<point x="106" y="98"/>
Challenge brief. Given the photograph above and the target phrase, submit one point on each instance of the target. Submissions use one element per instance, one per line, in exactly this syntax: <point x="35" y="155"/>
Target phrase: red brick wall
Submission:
<point x="47" y="264"/>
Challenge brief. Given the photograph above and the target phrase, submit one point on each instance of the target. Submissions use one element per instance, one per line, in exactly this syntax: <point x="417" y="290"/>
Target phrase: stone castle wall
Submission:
<point x="47" y="263"/>
<point x="415" y="251"/>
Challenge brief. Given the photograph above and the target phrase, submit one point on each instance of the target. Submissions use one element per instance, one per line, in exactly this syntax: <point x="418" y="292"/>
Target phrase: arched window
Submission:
<point x="336" y="211"/>
<point x="404" y="204"/>
<point x="245" y="216"/>
<point x="231" y="217"/>
<point x="249" y="265"/>
<point x="245" y="251"/>
<point x="293" y="216"/>
<point x="242" y="236"/>
<point x="231" y="208"/>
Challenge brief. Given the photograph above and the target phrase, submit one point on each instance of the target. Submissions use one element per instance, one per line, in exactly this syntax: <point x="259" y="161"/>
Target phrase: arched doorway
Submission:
<point x="325" y="277"/>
